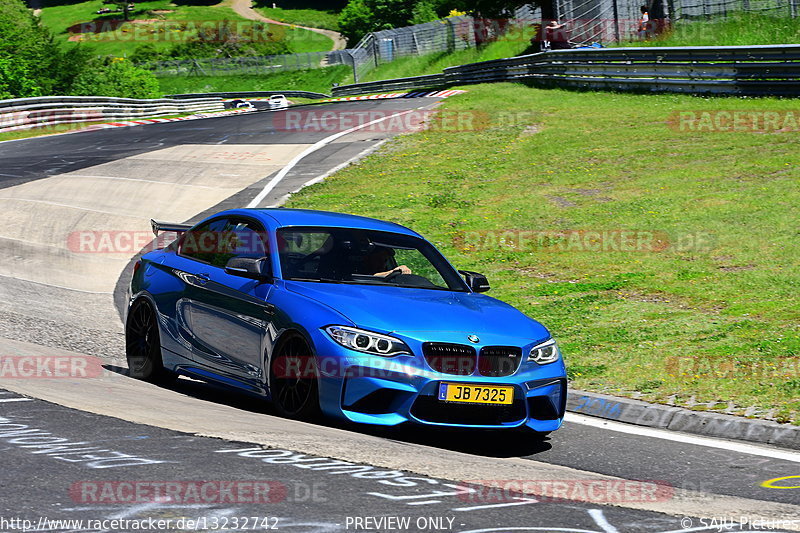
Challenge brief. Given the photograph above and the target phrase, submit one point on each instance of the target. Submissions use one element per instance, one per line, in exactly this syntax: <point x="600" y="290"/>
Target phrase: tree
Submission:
<point x="16" y="81"/>
<point x="360" y="17"/>
<point x="355" y="21"/>
<point x="30" y="56"/>
<point x="424" y="11"/>
<point x="114" y="76"/>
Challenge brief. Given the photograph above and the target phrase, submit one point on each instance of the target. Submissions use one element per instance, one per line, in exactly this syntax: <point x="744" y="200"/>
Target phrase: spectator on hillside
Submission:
<point x="644" y="24"/>
<point x="556" y="37"/>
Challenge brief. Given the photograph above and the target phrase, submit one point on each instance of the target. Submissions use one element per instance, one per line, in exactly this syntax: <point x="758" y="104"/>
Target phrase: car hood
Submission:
<point x="405" y="310"/>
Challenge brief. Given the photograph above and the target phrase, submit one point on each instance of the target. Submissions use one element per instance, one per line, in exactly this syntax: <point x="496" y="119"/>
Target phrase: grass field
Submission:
<point x="313" y="18"/>
<point x="60" y="18"/>
<point x="49" y="130"/>
<point x="317" y="80"/>
<point x="509" y="46"/>
<point x="736" y="29"/>
<point x="707" y="311"/>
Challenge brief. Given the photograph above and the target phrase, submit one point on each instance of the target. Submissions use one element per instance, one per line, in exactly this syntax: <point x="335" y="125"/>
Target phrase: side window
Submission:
<point x="219" y="240"/>
<point x="202" y="242"/>
<point x="245" y="238"/>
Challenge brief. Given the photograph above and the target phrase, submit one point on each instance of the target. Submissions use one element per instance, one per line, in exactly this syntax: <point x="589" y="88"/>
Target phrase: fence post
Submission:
<point x="352" y="57"/>
<point x="375" y="50"/>
<point x="451" y="35"/>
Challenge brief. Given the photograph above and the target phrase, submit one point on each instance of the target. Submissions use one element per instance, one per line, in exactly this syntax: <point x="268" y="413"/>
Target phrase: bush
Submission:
<point x="114" y="77"/>
<point x="16" y="81"/>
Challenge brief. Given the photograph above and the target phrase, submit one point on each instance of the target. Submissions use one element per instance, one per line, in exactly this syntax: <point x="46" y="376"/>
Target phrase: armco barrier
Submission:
<point x="417" y="82"/>
<point x="26" y="113"/>
<point x="250" y="94"/>
<point x="767" y="70"/>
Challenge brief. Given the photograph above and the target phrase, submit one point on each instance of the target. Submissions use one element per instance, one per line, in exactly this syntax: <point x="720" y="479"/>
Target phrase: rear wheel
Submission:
<point x="143" y="344"/>
<point x="293" y="380"/>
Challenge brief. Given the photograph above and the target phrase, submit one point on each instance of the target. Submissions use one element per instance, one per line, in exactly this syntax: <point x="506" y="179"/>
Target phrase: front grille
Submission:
<point x="431" y="409"/>
<point x="495" y="361"/>
<point x="457" y="359"/>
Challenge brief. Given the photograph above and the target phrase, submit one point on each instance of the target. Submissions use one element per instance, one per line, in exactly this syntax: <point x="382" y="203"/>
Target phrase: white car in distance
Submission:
<point x="278" y="101"/>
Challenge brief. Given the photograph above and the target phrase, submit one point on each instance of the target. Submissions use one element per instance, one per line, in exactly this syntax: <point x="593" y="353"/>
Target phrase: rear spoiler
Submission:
<point x="168" y="226"/>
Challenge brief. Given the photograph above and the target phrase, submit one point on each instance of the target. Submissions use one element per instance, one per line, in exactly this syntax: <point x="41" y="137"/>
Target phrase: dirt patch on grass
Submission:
<point x="560" y="201"/>
<point x="736" y="268"/>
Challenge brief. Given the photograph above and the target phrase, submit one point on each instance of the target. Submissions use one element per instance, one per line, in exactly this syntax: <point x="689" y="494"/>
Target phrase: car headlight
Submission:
<point x="367" y="341"/>
<point x="546" y="352"/>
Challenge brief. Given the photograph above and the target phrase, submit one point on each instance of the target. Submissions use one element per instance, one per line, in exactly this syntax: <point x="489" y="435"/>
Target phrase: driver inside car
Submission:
<point x="381" y="259"/>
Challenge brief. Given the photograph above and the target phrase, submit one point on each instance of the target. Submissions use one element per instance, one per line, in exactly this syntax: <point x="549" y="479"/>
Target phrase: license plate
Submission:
<point x="485" y="394"/>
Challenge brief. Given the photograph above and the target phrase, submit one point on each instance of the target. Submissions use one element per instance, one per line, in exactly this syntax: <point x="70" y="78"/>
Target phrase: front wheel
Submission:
<point x="143" y="344"/>
<point x="293" y="380"/>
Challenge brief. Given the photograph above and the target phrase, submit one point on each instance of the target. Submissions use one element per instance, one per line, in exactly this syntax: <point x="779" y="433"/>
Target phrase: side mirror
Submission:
<point x="476" y="282"/>
<point x="256" y="268"/>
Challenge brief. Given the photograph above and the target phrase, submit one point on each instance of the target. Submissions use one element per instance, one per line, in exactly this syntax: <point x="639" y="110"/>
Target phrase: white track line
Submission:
<point x="335" y="169"/>
<point x="783" y="455"/>
<point x="600" y="519"/>
<point x="5" y="400"/>
<point x="311" y="149"/>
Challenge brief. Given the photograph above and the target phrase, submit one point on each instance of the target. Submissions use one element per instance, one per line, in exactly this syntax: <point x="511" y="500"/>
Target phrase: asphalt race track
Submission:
<point x="74" y="449"/>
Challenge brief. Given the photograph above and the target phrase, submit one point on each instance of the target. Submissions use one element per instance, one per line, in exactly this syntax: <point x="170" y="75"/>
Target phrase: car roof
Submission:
<point x="314" y="218"/>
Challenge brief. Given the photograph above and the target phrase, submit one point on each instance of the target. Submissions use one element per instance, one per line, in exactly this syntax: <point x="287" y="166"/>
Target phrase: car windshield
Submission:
<point x="363" y="257"/>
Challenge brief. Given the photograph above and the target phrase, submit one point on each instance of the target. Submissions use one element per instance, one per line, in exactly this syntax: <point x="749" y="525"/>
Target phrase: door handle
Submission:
<point x="203" y="278"/>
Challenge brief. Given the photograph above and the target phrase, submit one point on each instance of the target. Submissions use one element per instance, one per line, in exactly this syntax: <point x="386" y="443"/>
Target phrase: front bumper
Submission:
<point x="390" y="391"/>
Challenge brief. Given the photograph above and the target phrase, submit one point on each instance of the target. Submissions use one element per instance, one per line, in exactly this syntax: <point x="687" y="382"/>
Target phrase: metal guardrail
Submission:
<point x="27" y="113"/>
<point x="431" y="80"/>
<point x="734" y="70"/>
<point x="251" y="94"/>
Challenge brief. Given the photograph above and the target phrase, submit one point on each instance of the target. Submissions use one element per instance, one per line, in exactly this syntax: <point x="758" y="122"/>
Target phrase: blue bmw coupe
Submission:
<point x="351" y="317"/>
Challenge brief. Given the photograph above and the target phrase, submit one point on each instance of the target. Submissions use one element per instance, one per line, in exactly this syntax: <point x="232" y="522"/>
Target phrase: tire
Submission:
<point x="143" y="345"/>
<point x="293" y="380"/>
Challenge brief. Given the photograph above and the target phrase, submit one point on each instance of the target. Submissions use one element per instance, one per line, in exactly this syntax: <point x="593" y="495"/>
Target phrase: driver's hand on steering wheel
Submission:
<point x="402" y="269"/>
